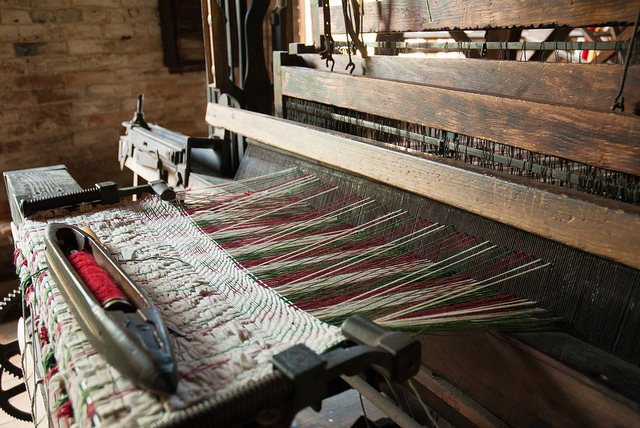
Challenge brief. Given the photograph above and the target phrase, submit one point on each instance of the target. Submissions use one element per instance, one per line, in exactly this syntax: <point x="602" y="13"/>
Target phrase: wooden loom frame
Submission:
<point x="514" y="105"/>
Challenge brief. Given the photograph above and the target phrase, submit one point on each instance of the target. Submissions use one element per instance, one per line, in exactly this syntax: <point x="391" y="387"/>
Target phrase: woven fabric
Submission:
<point x="237" y="324"/>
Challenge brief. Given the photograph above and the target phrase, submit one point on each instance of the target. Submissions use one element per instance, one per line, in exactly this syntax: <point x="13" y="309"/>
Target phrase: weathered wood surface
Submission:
<point x="578" y="85"/>
<point x="604" y="139"/>
<point x="522" y="389"/>
<point x="602" y="227"/>
<point x="413" y="15"/>
<point x="37" y="183"/>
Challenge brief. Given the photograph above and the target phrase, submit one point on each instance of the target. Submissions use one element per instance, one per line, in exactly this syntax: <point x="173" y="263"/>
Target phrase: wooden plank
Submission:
<point x="579" y="85"/>
<point x="602" y="227"/>
<point x="521" y="389"/>
<point x="413" y="15"/>
<point x="452" y="404"/>
<point x="37" y="183"/>
<point x="607" y="140"/>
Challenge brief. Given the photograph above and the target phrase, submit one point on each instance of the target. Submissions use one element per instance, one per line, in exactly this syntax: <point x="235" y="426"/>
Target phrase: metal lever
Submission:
<point x="394" y="354"/>
<point x="104" y="193"/>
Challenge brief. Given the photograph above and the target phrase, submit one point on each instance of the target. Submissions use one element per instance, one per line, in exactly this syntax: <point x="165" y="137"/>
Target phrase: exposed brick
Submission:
<point x="24" y="33"/>
<point x="79" y="31"/>
<point x="6" y="50"/>
<point x="104" y="62"/>
<point x="40" y="16"/>
<point x="69" y="15"/>
<point x="84" y="47"/>
<point x="34" y="128"/>
<point x="40" y="81"/>
<point x="17" y="98"/>
<point x="145" y="61"/>
<point x="94" y="16"/>
<point x="97" y="137"/>
<point x="123" y="15"/>
<point x="139" y="3"/>
<point x="112" y="120"/>
<point x="9" y="115"/>
<point x="49" y="4"/>
<point x="12" y="67"/>
<point x="119" y="90"/>
<point x="39" y="48"/>
<point x="139" y="45"/>
<point x="50" y="64"/>
<point x="149" y="14"/>
<point x="14" y="16"/>
<point x="101" y="3"/>
<point x="68" y="108"/>
<point x="84" y="78"/>
<point x="55" y="95"/>
<point x="188" y="127"/>
<point x="118" y="31"/>
<point x="96" y="106"/>
<point x="27" y="49"/>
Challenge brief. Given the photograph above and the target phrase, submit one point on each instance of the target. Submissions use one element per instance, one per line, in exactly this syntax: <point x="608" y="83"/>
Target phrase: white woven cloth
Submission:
<point x="237" y="324"/>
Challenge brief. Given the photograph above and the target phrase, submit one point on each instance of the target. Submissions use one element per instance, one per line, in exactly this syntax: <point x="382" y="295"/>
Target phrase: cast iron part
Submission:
<point x="394" y="354"/>
<point x="104" y="193"/>
<point x="9" y="306"/>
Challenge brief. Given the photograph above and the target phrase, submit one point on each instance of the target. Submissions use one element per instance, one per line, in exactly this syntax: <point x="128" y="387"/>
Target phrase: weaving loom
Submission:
<point x="446" y="197"/>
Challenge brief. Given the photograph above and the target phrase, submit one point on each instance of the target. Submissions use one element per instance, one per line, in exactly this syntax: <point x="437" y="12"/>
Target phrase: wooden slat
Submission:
<point x="523" y="389"/>
<point x="413" y="15"/>
<point x="607" y="140"/>
<point x="602" y="227"/>
<point x="579" y="85"/>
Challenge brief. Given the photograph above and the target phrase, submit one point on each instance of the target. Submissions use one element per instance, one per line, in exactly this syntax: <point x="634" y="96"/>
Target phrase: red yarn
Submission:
<point x="43" y="335"/>
<point x="64" y="411"/>
<point x="97" y="279"/>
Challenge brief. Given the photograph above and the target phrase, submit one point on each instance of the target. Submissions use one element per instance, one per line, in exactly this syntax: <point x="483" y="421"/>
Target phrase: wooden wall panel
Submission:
<point x="413" y="15"/>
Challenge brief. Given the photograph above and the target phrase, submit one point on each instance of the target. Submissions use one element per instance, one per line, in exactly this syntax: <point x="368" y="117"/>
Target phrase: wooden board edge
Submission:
<point x="604" y="139"/>
<point x="415" y="15"/>
<point x="55" y="179"/>
<point x="579" y="85"/>
<point x="606" y="229"/>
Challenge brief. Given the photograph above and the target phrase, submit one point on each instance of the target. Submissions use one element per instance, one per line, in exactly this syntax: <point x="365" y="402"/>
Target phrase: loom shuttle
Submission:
<point x="133" y="340"/>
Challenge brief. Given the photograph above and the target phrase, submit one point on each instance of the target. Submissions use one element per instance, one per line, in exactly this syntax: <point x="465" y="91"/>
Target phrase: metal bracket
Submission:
<point x="394" y="354"/>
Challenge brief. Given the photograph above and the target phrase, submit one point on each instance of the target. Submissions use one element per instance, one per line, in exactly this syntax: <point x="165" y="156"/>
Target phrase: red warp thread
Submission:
<point x="97" y="279"/>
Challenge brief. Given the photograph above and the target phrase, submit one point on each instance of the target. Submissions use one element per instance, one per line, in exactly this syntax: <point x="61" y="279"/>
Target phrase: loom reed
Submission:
<point x="334" y="255"/>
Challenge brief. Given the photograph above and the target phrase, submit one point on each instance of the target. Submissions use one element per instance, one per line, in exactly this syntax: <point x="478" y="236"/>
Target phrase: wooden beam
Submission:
<point x="557" y="83"/>
<point x="413" y="15"/>
<point x="605" y="56"/>
<point x="524" y="388"/>
<point x="461" y="36"/>
<point x="503" y="35"/>
<point x="602" y="227"/>
<point x="558" y="34"/>
<point x="606" y="140"/>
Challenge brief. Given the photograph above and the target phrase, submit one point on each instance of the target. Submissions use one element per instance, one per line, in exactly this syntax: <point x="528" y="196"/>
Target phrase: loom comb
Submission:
<point x="133" y="339"/>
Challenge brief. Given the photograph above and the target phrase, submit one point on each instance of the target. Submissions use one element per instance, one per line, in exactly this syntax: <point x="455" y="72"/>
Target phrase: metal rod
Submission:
<point x="465" y="46"/>
<point x="384" y="404"/>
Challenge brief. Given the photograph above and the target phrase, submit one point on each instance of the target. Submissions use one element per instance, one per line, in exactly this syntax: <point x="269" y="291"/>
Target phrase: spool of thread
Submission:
<point x="99" y="282"/>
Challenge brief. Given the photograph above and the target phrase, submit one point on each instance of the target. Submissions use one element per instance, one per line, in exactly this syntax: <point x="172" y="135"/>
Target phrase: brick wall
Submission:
<point x="70" y="71"/>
